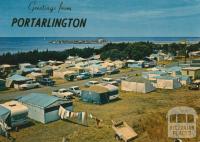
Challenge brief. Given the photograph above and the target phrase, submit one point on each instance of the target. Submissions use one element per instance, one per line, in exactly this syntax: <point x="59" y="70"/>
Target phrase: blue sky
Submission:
<point x="118" y="18"/>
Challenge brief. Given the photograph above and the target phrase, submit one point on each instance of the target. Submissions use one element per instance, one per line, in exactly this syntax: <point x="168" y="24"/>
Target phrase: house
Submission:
<point x="19" y="113"/>
<point x="2" y="84"/>
<point x="167" y="82"/>
<point x="15" y="81"/>
<point x="44" y="108"/>
<point x="99" y="94"/>
<point x="193" y="72"/>
<point x="137" y="84"/>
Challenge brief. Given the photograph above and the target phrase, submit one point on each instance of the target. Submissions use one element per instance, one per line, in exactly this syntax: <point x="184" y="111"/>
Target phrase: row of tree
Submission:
<point x="113" y="51"/>
<point x="35" y="56"/>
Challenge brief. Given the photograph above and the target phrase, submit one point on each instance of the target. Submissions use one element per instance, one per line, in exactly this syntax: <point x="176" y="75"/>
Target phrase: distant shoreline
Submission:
<point x="25" y="44"/>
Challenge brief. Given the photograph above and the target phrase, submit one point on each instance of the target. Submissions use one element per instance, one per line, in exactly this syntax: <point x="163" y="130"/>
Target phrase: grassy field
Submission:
<point x="146" y="113"/>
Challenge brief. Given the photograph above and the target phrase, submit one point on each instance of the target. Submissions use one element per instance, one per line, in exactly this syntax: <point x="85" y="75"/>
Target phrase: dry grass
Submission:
<point x="146" y="113"/>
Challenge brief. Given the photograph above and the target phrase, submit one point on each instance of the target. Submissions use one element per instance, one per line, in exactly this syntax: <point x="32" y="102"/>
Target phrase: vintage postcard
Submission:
<point x="99" y="70"/>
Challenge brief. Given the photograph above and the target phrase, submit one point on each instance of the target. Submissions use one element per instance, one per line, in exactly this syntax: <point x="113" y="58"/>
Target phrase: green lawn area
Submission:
<point x="146" y="113"/>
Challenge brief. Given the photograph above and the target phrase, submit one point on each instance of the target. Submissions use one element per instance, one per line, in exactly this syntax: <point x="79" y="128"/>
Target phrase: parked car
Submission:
<point x="84" y="75"/>
<point x="75" y="90"/>
<point x="118" y="80"/>
<point x="113" y="71"/>
<point x="29" y="85"/>
<point x="63" y="93"/>
<point x="124" y="78"/>
<point x="194" y="86"/>
<point x="98" y="74"/>
<point x="46" y="81"/>
<point x="110" y="81"/>
<point x="91" y="83"/>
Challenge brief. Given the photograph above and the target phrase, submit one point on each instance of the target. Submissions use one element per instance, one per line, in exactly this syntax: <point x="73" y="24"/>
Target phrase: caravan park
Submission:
<point x="104" y="96"/>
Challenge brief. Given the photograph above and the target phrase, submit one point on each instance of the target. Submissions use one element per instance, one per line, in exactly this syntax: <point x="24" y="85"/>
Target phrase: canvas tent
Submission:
<point x="119" y="64"/>
<point x="19" y="113"/>
<point x="100" y="94"/>
<point x="96" y="68"/>
<point x="35" y="76"/>
<point x="63" y="74"/>
<point x="174" y="71"/>
<point x="137" y="84"/>
<point x="47" y="70"/>
<point x="44" y="108"/>
<point x="152" y="74"/>
<point x="15" y="81"/>
<point x="167" y="82"/>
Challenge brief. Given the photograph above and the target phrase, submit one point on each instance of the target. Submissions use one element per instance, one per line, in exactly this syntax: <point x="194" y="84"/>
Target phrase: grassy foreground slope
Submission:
<point x="146" y="113"/>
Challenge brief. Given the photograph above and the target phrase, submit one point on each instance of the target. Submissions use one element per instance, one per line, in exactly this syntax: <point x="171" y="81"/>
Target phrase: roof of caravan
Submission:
<point x="37" y="99"/>
<point x="97" y="89"/>
<point x="15" y="107"/>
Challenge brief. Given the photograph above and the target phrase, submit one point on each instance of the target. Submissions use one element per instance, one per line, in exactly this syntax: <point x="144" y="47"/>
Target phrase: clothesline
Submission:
<point x="3" y="128"/>
<point x="81" y="117"/>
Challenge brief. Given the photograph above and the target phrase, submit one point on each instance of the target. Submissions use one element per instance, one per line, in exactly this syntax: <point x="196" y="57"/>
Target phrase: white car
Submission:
<point x="63" y="93"/>
<point x="29" y="85"/>
<point x="110" y="81"/>
<point x="75" y="90"/>
<point x="91" y="83"/>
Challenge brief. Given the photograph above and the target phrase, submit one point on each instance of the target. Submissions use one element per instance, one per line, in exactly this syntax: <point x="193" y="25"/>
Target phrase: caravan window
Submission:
<point x="173" y="118"/>
<point x="181" y="118"/>
<point x="190" y="118"/>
